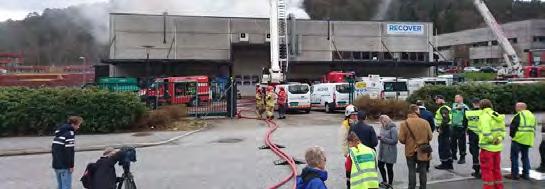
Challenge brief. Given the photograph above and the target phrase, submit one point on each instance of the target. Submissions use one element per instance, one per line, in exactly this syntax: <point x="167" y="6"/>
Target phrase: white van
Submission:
<point x="417" y="83"/>
<point x="331" y="96"/>
<point x="395" y="88"/>
<point x="371" y="86"/>
<point x="298" y="96"/>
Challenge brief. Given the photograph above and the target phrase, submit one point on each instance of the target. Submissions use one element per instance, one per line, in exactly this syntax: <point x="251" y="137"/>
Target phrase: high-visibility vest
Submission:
<point x="527" y="125"/>
<point x="457" y="116"/>
<point x="364" y="173"/>
<point x="269" y="100"/>
<point x="439" y="117"/>
<point x="472" y="117"/>
<point x="491" y="126"/>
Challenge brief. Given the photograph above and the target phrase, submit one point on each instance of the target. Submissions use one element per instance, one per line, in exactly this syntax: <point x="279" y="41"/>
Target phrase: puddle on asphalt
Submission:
<point x="142" y="134"/>
<point x="229" y="140"/>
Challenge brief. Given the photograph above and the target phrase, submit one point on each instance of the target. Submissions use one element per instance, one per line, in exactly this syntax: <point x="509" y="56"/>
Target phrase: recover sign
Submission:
<point x="416" y="29"/>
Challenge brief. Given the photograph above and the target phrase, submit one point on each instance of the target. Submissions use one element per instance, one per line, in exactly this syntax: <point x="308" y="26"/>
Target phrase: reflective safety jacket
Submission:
<point x="525" y="132"/>
<point x="491" y="127"/>
<point x="270" y="100"/>
<point x="472" y="117"/>
<point x="439" y="117"/>
<point x="364" y="170"/>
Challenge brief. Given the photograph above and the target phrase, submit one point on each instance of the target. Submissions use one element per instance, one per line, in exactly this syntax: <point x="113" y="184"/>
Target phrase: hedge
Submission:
<point x="503" y="97"/>
<point x="25" y="111"/>
<point x="396" y="109"/>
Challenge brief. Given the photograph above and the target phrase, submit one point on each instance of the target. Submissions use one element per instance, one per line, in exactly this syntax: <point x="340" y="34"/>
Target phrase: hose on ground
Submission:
<point x="272" y="126"/>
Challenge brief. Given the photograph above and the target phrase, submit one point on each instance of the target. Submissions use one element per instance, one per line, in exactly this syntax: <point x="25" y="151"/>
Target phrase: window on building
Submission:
<point x="347" y="55"/>
<point x="412" y="56"/>
<point x="513" y="40"/>
<point x="404" y="56"/>
<point x="388" y="56"/>
<point x="421" y="56"/>
<point x="444" y="48"/>
<point x="336" y="55"/>
<point x="539" y="38"/>
<point x="494" y="43"/>
<point x="356" y="55"/>
<point x="366" y="55"/>
<point x="480" y="44"/>
<point x="374" y="56"/>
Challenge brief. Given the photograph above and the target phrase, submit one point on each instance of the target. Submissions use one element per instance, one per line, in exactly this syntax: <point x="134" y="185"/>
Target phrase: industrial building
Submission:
<point x="155" y="45"/>
<point x="478" y="47"/>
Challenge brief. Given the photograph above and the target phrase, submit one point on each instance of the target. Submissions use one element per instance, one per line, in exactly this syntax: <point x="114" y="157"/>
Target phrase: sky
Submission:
<point x="19" y="9"/>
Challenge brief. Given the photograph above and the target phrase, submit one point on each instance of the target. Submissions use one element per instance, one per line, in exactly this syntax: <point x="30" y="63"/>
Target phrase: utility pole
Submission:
<point x="148" y="66"/>
<point x="84" y="62"/>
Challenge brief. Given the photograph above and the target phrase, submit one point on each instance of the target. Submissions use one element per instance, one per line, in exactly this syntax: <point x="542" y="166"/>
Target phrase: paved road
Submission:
<point x="205" y="160"/>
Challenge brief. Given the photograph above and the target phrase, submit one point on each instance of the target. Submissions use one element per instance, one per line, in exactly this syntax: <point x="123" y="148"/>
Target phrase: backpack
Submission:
<point x="87" y="177"/>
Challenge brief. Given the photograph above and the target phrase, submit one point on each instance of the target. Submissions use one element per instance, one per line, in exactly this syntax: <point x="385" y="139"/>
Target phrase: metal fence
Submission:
<point x="202" y="99"/>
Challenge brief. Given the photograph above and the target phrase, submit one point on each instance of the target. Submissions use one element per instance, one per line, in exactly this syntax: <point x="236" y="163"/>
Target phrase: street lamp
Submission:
<point x="84" y="62"/>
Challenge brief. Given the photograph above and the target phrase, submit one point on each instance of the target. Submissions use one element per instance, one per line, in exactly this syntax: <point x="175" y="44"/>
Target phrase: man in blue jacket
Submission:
<point x="62" y="150"/>
<point x="314" y="175"/>
<point x="425" y="114"/>
<point x="365" y="132"/>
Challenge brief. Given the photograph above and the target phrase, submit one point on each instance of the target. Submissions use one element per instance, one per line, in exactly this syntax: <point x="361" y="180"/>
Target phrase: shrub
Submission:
<point x="396" y="109"/>
<point x="162" y="117"/>
<point x="26" y="111"/>
<point x="503" y="97"/>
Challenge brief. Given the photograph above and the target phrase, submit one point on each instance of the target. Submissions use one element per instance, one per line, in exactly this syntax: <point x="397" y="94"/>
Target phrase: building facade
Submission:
<point x="156" y="45"/>
<point x="479" y="47"/>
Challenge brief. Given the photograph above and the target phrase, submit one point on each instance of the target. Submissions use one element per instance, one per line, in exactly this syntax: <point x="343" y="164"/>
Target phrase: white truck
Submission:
<point x="370" y="85"/>
<point x="298" y="96"/>
<point x="395" y="88"/>
<point x="330" y="96"/>
<point x="417" y="83"/>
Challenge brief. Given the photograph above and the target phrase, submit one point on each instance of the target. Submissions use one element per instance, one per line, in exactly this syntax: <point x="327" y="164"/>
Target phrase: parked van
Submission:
<point x="370" y="85"/>
<point x="331" y="96"/>
<point x="417" y="83"/>
<point x="298" y="96"/>
<point x="395" y="88"/>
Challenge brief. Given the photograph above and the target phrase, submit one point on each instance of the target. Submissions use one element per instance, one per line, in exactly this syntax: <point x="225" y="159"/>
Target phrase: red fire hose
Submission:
<point x="272" y="127"/>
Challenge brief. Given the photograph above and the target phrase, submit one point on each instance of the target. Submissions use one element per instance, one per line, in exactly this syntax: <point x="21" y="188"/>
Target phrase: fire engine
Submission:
<point x="190" y="90"/>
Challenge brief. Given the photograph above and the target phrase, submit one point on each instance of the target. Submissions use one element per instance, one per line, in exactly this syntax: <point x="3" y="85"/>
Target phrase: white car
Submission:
<point x="471" y="69"/>
<point x="331" y="96"/>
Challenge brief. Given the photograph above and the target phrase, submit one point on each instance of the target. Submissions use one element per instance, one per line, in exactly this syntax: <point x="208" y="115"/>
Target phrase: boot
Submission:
<point x="511" y="177"/>
<point x="444" y="166"/>
<point x="477" y="173"/>
<point x="454" y="157"/>
<point x="462" y="160"/>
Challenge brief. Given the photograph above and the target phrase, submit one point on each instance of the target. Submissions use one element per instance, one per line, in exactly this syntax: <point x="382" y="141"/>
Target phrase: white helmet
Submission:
<point x="349" y="110"/>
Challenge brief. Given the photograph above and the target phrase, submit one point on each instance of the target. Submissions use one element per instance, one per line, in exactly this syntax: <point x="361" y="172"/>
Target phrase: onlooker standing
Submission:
<point x="522" y="133"/>
<point x="282" y="103"/>
<point x="62" y="150"/>
<point x="472" y="117"/>
<point x="541" y="167"/>
<point x="104" y="176"/>
<point x="443" y="119"/>
<point x="491" y="135"/>
<point x="415" y="132"/>
<point x="314" y="175"/>
<point x="387" y="154"/>
<point x="459" y="127"/>
<point x="425" y="114"/>
<point x="350" y="118"/>
<point x="365" y="132"/>
<point x="363" y="173"/>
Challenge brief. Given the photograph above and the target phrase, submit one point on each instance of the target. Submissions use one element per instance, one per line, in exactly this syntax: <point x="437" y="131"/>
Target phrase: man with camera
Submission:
<point x="102" y="175"/>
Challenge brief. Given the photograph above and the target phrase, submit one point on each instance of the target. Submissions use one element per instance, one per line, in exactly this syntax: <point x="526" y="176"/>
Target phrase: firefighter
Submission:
<point x="522" y="133"/>
<point x="443" y="120"/>
<point x="459" y="127"/>
<point x="282" y="103"/>
<point x="270" y="101"/>
<point x="260" y="105"/>
<point x="472" y="117"/>
<point x="491" y="131"/>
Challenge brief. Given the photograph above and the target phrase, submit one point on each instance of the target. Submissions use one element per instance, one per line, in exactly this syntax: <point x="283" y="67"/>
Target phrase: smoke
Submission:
<point x="97" y="14"/>
<point x="382" y="10"/>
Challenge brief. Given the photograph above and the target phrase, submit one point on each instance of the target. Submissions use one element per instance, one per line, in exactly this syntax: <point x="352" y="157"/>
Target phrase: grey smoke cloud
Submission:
<point x="98" y="13"/>
<point x="382" y="10"/>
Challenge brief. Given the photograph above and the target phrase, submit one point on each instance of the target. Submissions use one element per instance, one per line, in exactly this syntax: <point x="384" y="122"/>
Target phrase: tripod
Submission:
<point x="126" y="179"/>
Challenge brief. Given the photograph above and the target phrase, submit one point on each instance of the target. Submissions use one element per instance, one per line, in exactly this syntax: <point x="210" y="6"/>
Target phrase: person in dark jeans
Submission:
<point x="459" y="128"/>
<point x="414" y="132"/>
<point x="365" y="132"/>
<point x="541" y="167"/>
<point x="442" y="118"/>
<point x="62" y="150"/>
<point x="522" y="131"/>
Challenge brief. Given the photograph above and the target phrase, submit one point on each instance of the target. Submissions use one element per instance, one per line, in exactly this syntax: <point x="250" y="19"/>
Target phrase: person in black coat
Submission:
<point x="425" y="114"/>
<point x="104" y="176"/>
<point x="365" y="132"/>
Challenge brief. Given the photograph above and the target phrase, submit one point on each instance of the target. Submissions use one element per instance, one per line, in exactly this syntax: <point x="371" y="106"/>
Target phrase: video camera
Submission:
<point x="128" y="156"/>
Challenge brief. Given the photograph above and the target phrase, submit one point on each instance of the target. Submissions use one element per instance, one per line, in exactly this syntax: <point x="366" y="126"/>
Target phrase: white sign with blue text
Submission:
<point x="414" y="29"/>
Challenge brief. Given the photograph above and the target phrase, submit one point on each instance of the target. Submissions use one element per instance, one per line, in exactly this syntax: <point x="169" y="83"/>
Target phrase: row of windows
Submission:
<point x="376" y="56"/>
<point x="485" y="43"/>
<point x="539" y="38"/>
<point x="486" y="61"/>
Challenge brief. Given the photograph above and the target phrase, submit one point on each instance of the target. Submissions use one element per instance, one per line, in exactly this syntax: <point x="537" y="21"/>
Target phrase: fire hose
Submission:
<point x="272" y="126"/>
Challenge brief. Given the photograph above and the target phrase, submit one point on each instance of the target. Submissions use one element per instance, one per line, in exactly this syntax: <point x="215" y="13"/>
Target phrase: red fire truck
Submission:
<point x="190" y="90"/>
<point x="337" y="77"/>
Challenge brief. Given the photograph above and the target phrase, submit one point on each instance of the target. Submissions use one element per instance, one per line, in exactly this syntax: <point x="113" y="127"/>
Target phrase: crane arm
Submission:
<point x="511" y="58"/>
